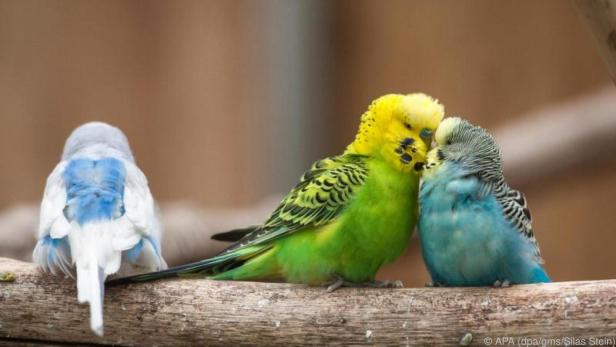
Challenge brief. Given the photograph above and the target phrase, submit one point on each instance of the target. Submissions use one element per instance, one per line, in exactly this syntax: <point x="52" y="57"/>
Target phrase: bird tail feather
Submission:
<point x="90" y="289"/>
<point x="199" y="267"/>
<point x="220" y="263"/>
<point x="233" y="235"/>
<point x="95" y="257"/>
<point x="540" y="276"/>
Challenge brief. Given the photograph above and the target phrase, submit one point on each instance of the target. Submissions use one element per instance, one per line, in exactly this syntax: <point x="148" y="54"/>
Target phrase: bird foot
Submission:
<point x="503" y="284"/>
<point x="340" y="282"/>
<point x="433" y="284"/>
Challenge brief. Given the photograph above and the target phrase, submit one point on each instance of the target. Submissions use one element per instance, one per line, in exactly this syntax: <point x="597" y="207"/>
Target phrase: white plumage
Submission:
<point x="98" y="217"/>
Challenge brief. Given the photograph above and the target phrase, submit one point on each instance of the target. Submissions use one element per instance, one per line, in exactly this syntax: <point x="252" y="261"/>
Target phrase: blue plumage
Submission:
<point x="95" y="189"/>
<point x="474" y="229"/>
<point x="56" y="252"/>
<point x="133" y="254"/>
<point x="465" y="238"/>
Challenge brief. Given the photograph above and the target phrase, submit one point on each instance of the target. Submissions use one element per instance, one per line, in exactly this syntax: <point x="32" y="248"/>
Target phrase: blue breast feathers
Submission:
<point x="95" y="189"/>
<point x="466" y="241"/>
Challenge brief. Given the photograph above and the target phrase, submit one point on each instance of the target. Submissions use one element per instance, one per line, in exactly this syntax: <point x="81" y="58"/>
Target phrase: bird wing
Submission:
<point x="52" y="220"/>
<point x="513" y="204"/>
<point x="321" y="195"/>
<point x="141" y="215"/>
<point x="516" y="212"/>
<point x="52" y="251"/>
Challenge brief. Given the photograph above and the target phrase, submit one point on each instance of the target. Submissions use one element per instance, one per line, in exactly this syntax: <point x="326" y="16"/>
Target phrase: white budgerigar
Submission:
<point x="98" y="216"/>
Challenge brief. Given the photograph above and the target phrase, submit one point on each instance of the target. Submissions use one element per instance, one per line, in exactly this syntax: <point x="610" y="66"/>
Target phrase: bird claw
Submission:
<point x="431" y="284"/>
<point x="340" y="282"/>
<point x="503" y="284"/>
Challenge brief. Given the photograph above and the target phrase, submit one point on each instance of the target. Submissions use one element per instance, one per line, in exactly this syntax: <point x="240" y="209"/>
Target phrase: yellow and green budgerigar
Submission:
<point x="349" y="214"/>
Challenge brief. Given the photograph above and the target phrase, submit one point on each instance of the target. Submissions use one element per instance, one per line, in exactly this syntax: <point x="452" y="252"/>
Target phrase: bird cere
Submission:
<point x="348" y="216"/>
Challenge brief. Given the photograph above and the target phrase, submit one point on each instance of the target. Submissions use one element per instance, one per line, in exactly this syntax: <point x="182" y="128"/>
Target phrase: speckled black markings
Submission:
<point x="440" y="155"/>
<point x="402" y="150"/>
<point x="406" y="142"/>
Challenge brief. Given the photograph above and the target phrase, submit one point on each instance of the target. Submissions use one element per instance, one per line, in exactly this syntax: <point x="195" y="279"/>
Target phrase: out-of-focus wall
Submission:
<point x="212" y="94"/>
<point x="487" y="61"/>
<point x="228" y="101"/>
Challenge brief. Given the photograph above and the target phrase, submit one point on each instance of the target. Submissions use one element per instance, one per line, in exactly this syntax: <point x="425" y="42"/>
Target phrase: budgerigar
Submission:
<point x="349" y="214"/>
<point x="97" y="216"/>
<point x="475" y="230"/>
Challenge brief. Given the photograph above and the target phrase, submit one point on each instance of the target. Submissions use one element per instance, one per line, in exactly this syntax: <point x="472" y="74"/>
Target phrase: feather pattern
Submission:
<point x="321" y="195"/>
<point x="347" y="216"/>
<point x="469" y="215"/>
<point x="485" y="163"/>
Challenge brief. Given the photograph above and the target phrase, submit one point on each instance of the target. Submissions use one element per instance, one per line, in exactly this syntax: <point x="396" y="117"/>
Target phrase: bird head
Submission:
<point x="471" y="147"/>
<point x="399" y="129"/>
<point x="97" y="138"/>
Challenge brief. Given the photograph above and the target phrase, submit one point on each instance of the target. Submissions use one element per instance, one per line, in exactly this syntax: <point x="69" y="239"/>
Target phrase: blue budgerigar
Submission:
<point x="475" y="230"/>
<point x="97" y="216"/>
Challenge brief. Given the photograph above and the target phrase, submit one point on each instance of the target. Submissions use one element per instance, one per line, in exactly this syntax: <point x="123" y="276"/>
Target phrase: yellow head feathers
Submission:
<point x="399" y="129"/>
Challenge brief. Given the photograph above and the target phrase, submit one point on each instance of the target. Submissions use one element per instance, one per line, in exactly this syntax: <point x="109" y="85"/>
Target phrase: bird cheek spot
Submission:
<point x="399" y="150"/>
<point x="406" y="158"/>
<point x="407" y="142"/>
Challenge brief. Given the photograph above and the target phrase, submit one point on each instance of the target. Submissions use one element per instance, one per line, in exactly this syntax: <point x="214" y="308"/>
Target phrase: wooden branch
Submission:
<point x="600" y="18"/>
<point x="41" y="309"/>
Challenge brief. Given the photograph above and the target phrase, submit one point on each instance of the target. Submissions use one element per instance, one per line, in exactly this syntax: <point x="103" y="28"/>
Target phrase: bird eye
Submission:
<point x="408" y="126"/>
<point x="448" y="142"/>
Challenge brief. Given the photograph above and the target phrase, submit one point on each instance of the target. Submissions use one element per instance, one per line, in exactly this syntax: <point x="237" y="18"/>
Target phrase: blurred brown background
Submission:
<point x="227" y="102"/>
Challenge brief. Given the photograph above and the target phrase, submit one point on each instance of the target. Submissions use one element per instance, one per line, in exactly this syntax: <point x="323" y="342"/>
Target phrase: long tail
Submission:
<point x="220" y="263"/>
<point x="201" y="266"/>
<point x="234" y="235"/>
<point x="90" y="289"/>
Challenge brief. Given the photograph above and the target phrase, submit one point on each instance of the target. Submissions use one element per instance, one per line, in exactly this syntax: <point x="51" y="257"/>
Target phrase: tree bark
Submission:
<point x="41" y="309"/>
